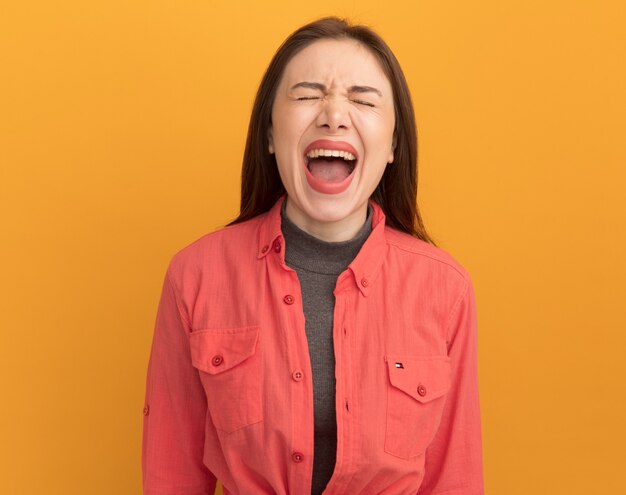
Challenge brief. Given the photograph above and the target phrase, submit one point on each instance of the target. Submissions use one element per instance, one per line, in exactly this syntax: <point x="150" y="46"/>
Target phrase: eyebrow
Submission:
<point x="351" y="89"/>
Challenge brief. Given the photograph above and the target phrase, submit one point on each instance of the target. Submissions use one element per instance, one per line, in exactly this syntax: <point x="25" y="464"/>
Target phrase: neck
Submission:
<point x="342" y="230"/>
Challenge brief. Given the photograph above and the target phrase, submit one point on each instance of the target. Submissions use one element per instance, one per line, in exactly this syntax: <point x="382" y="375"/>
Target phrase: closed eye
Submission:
<point x="361" y="102"/>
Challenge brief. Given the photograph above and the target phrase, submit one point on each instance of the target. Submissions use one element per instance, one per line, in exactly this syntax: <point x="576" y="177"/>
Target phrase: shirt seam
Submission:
<point x="455" y="308"/>
<point x="170" y="281"/>
<point x="462" y="272"/>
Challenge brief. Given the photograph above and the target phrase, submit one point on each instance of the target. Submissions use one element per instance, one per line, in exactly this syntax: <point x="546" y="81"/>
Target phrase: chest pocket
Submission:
<point x="230" y="369"/>
<point x="417" y="391"/>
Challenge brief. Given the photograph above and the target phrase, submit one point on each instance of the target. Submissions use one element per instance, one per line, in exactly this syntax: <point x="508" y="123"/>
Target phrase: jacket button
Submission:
<point x="364" y="282"/>
<point x="146" y="410"/>
<point x="421" y="390"/>
<point x="297" y="457"/>
<point x="217" y="360"/>
<point x="277" y="246"/>
<point x="288" y="299"/>
<point x="264" y="249"/>
<point x="297" y="375"/>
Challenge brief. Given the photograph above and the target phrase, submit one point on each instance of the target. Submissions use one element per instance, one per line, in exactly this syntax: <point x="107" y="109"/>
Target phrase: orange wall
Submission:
<point x="122" y="125"/>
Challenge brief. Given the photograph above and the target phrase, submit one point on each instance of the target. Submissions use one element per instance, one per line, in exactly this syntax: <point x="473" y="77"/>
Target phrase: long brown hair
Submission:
<point x="396" y="193"/>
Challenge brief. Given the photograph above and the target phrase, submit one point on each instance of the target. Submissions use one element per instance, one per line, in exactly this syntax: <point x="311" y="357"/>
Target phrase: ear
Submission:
<point x="270" y="140"/>
<point x="393" y="148"/>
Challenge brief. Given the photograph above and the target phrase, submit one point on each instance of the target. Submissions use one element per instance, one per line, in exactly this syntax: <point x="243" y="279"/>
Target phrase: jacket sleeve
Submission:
<point x="174" y="409"/>
<point x="453" y="462"/>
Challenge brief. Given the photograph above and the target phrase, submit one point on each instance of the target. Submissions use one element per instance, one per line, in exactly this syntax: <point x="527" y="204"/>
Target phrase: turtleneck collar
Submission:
<point x="315" y="255"/>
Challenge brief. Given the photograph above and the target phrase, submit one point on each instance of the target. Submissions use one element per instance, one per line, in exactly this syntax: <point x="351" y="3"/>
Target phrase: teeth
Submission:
<point x="321" y="152"/>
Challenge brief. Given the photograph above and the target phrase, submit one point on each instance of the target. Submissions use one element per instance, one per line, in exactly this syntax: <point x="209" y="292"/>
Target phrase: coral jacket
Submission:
<point x="229" y="391"/>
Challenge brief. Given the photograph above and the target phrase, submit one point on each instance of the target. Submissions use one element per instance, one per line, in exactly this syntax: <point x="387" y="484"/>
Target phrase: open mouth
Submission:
<point x="330" y="165"/>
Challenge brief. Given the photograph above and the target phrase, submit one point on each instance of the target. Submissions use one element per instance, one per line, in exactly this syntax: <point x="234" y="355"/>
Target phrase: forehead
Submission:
<point x="340" y="62"/>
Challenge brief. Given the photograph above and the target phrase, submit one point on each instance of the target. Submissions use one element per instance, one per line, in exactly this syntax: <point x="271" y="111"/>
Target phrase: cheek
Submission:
<point x="289" y="126"/>
<point x="375" y="133"/>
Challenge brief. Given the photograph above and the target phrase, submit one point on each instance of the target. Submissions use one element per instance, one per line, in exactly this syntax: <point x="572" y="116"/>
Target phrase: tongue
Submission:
<point x="329" y="170"/>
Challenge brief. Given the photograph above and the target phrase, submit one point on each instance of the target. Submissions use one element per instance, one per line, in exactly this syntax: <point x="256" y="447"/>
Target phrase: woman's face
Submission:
<point x="333" y="96"/>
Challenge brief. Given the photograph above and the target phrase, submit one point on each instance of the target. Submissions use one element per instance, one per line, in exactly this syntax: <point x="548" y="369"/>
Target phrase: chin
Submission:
<point x="330" y="209"/>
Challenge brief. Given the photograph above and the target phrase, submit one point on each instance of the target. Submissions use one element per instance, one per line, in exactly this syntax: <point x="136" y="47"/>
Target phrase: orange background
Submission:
<point x="122" y="126"/>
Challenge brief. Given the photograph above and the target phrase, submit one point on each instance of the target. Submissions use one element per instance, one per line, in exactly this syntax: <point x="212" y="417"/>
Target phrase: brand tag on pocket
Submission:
<point x="399" y="365"/>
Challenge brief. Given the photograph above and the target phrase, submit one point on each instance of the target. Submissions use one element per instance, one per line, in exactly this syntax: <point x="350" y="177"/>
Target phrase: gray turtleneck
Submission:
<point x="318" y="264"/>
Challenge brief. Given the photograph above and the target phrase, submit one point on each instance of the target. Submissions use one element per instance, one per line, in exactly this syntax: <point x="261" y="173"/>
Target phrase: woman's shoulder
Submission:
<point x="228" y="240"/>
<point x="412" y="248"/>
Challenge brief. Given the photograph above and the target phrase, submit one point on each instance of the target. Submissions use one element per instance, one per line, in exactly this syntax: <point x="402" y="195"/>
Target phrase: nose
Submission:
<point x="334" y="114"/>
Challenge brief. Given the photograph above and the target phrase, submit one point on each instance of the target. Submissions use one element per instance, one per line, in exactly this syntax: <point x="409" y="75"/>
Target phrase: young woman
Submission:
<point x="320" y="342"/>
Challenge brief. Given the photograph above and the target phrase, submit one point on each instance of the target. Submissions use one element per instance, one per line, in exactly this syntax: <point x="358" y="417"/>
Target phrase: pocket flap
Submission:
<point x="218" y="350"/>
<point x="422" y="377"/>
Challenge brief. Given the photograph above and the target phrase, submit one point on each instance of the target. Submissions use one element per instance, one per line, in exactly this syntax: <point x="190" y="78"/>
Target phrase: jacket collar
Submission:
<point x="363" y="270"/>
